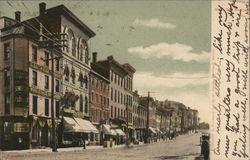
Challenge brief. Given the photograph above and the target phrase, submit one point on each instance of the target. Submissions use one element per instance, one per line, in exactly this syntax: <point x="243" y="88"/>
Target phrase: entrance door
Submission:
<point x="44" y="136"/>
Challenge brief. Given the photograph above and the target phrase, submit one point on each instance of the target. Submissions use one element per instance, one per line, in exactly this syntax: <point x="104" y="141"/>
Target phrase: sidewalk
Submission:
<point x="69" y="149"/>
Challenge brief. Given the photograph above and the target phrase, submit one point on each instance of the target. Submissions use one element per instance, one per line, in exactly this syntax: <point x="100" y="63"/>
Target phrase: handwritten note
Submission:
<point x="230" y="133"/>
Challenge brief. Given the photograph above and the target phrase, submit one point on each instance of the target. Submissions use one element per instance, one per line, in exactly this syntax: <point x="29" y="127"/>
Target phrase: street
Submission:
<point x="184" y="147"/>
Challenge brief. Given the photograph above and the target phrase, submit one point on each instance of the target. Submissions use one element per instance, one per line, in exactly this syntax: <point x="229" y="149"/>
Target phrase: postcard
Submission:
<point x="124" y="79"/>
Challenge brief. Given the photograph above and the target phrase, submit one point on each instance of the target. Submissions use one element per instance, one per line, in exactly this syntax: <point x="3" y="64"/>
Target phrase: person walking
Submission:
<point x="205" y="149"/>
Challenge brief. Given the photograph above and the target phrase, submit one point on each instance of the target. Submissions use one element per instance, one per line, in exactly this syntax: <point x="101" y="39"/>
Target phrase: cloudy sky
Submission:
<point x="168" y="42"/>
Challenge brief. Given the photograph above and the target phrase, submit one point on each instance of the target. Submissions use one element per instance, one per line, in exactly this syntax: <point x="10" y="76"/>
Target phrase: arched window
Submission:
<point x="81" y="103"/>
<point x="73" y="46"/>
<point x="84" y="52"/>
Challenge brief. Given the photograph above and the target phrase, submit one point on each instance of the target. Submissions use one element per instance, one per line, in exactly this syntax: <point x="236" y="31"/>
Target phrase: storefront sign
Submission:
<point x="44" y="70"/>
<point x="21" y="88"/>
<point x="21" y="127"/>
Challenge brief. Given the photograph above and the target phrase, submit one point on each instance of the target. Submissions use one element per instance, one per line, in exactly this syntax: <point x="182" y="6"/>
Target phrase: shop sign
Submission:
<point x="21" y="127"/>
<point x="21" y="88"/>
<point x="40" y="92"/>
<point x="44" y="69"/>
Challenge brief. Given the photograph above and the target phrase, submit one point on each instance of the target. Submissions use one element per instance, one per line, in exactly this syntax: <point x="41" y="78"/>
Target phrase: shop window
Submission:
<point x="34" y="104"/>
<point x="46" y="106"/>
<point x="34" y="53"/>
<point x="46" y="81"/>
<point x="46" y="59"/>
<point x="6" y="51"/>
<point x="34" y="78"/>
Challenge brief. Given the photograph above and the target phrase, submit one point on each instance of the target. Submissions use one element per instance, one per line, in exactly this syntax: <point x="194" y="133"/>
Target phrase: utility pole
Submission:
<point x="52" y="43"/>
<point x="127" y="123"/>
<point x="147" y="127"/>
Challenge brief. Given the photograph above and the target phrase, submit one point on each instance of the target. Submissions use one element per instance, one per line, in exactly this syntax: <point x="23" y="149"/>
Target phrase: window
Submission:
<point x="34" y="104"/>
<point x="86" y="104"/>
<point x="118" y="97"/>
<point x="57" y="85"/>
<point x="57" y="64"/>
<point x="46" y="58"/>
<point x="73" y="75"/>
<point x="81" y="103"/>
<point x="92" y="97"/>
<point x="104" y="101"/>
<point x="6" y="51"/>
<point x="115" y="112"/>
<point x="112" y="111"/>
<point x="96" y="96"/>
<point x="46" y="106"/>
<point x="111" y="94"/>
<point x="34" y="54"/>
<point x="115" y="96"/>
<point x="101" y="99"/>
<point x="6" y="77"/>
<point x="111" y="76"/>
<point x="73" y="46"/>
<point x="57" y="109"/>
<point x="7" y="103"/>
<point x="34" y="78"/>
<point x="66" y="72"/>
<point x="96" y="85"/>
<point x="46" y="86"/>
<point x="121" y="98"/>
<point x="115" y="78"/>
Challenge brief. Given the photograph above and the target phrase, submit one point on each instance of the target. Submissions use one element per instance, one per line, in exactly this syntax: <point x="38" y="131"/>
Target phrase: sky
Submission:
<point x="167" y="42"/>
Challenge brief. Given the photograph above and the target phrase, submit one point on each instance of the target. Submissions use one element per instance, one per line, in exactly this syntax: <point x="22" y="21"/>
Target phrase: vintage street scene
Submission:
<point x="104" y="80"/>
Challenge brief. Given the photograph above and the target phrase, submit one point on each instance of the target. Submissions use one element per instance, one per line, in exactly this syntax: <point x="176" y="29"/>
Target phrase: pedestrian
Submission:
<point x="205" y="149"/>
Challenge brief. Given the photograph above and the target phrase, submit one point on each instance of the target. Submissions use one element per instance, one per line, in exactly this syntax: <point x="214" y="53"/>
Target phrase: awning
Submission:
<point x="83" y="125"/>
<point x="158" y="130"/>
<point x="91" y="127"/>
<point x="119" y="132"/>
<point x="71" y="125"/>
<point x="152" y="130"/>
<point x="107" y="130"/>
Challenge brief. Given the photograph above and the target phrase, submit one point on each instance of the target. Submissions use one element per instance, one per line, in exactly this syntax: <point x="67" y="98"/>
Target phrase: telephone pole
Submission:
<point x="51" y="42"/>
<point x="127" y="123"/>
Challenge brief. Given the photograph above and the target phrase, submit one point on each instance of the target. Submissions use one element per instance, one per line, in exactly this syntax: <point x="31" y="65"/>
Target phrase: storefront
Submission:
<point x="15" y="132"/>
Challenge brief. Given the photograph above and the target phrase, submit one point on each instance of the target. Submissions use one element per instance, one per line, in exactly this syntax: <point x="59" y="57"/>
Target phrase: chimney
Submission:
<point x="18" y="16"/>
<point x="94" y="54"/>
<point x="42" y="8"/>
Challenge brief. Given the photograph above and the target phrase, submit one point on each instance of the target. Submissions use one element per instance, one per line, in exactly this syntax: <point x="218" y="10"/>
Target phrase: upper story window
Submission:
<point x="46" y="86"/>
<point x="66" y="72"/>
<point x="46" y="58"/>
<point x="81" y="79"/>
<point x="57" y="85"/>
<point x="6" y="77"/>
<point x="57" y="64"/>
<point x="34" y="53"/>
<point x="73" y="75"/>
<point x="73" y="42"/>
<point x="34" y="78"/>
<point x="6" y="51"/>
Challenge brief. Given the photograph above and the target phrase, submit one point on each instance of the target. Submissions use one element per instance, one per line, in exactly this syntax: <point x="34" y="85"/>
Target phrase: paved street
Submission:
<point x="184" y="147"/>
